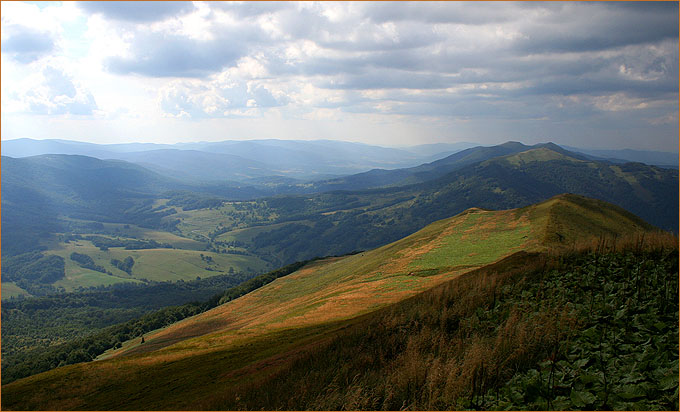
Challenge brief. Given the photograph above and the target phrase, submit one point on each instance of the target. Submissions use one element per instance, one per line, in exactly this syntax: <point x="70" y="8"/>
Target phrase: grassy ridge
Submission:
<point x="586" y="331"/>
<point x="478" y="341"/>
<point x="342" y="288"/>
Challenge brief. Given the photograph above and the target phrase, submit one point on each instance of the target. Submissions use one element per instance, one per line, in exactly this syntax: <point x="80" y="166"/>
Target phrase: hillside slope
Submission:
<point x="344" y="221"/>
<point x="38" y="191"/>
<point x="191" y="360"/>
<point x="340" y="288"/>
<point x="399" y="177"/>
<point x="527" y="333"/>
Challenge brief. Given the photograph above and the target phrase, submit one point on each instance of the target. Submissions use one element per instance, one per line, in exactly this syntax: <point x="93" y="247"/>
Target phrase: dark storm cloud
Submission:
<point x="137" y="11"/>
<point x="577" y="27"/>
<point x="26" y="44"/>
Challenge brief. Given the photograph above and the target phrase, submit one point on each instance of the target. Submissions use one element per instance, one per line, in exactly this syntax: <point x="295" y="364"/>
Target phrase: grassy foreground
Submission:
<point x="218" y="358"/>
<point x="587" y="331"/>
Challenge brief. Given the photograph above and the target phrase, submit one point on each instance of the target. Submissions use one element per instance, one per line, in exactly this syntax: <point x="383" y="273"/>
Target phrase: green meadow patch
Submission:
<point x="468" y="245"/>
<point x="10" y="290"/>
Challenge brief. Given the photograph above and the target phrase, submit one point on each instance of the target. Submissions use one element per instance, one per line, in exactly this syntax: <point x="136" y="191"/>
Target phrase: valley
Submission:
<point x="263" y="335"/>
<point x="72" y="248"/>
<point x="342" y="288"/>
<point x="339" y="206"/>
<point x="251" y="236"/>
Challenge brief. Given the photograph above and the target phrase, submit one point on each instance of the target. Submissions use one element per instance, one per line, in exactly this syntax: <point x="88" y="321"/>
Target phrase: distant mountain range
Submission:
<point x="429" y="171"/>
<point x="332" y="163"/>
<point x="363" y="219"/>
<point x="242" y="161"/>
<point x="666" y="159"/>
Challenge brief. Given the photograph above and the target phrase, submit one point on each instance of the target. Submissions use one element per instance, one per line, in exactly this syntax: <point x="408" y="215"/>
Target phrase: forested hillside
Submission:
<point x="364" y="219"/>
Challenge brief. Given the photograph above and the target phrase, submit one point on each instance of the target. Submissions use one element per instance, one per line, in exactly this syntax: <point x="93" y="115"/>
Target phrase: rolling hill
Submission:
<point x="198" y="166"/>
<point x="341" y="221"/>
<point x="42" y="195"/>
<point x="40" y="191"/>
<point x="37" y="192"/>
<point x="429" y="171"/>
<point x="197" y="359"/>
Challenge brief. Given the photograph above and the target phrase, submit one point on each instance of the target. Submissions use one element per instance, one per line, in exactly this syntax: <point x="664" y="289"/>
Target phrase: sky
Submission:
<point x="585" y="74"/>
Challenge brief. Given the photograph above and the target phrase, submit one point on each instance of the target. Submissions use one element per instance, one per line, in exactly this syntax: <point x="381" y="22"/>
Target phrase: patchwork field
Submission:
<point x="160" y="264"/>
<point x="201" y="224"/>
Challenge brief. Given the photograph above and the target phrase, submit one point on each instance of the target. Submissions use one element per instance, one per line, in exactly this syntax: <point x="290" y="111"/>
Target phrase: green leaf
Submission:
<point x="630" y="392"/>
<point x="660" y="326"/>
<point x="669" y="382"/>
<point x="580" y="363"/>
<point x="581" y="399"/>
<point x="587" y="378"/>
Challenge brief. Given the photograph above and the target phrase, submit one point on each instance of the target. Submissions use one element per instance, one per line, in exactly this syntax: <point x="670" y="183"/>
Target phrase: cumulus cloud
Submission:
<point x="168" y="55"/>
<point x="196" y="99"/>
<point x="137" y="11"/>
<point x="468" y="13"/>
<point x="26" y="44"/>
<point x="544" y="48"/>
<point x="57" y="94"/>
<point x="450" y="61"/>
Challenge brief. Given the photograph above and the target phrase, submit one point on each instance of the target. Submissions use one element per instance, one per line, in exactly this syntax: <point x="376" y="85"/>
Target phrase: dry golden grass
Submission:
<point x="341" y="288"/>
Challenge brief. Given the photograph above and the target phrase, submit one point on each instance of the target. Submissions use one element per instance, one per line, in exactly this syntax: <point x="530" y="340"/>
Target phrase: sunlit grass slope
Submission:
<point x="193" y="358"/>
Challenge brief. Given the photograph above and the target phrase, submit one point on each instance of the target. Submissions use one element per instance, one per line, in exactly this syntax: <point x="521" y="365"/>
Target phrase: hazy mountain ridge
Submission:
<point x="388" y="214"/>
<point x="430" y="171"/>
<point x="240" y="160"/>
<point x="651" y="157"/>
<point x="363" y="166"/>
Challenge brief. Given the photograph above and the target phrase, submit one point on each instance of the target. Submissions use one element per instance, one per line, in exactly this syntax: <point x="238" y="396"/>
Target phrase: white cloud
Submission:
<point x="456" y="64"/>
<point x="57" y="94"/>
<point x="219" y="97"/>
